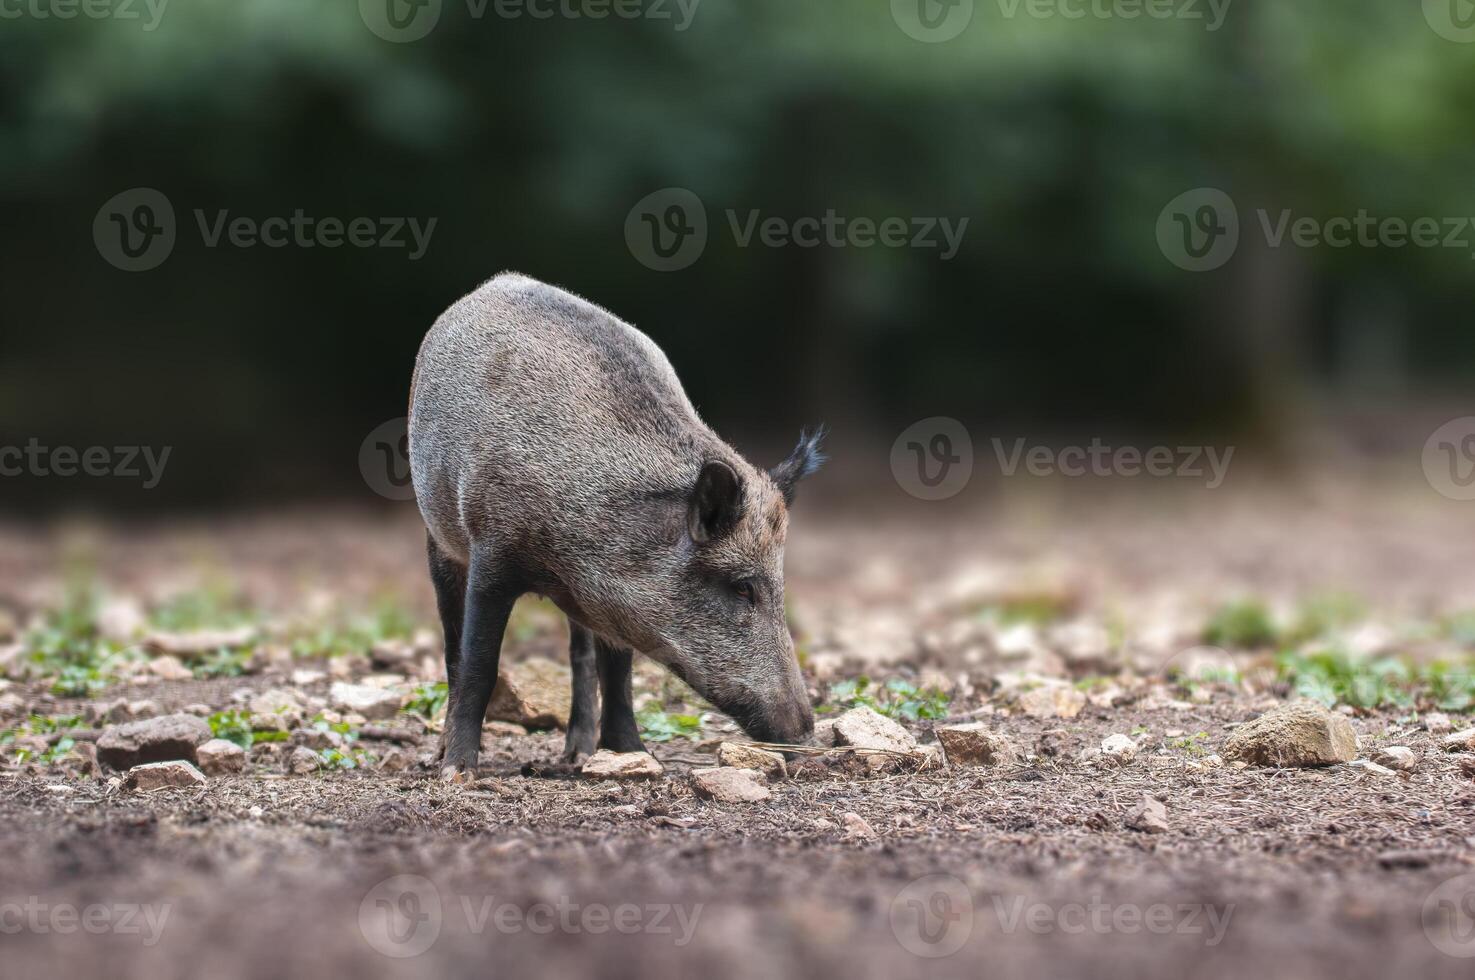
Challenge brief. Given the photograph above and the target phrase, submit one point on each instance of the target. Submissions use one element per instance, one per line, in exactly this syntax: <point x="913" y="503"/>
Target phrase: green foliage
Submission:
<point x="355" y="634"/>
<point x="1332" y="677"/>
<point x="1245" y="625"/>
<point x="233" y="726"/>
<point x="656" y="725"/>
<point x="1038" y="610"/>
<point x="896" y="699"/>
<point x="1321" y="615"/>
<point x="1192" y="744"/>
<point x="42" y="725"/>
<point x="223" y="663"/>
<point x="213" y="606"/>
<point x="345" y="758"/>
<point x="428" y="700"/>
<point x="67" y="645"/>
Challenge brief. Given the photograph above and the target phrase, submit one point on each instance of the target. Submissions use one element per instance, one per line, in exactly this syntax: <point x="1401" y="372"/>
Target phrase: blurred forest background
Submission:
<point x="530" y="141"/>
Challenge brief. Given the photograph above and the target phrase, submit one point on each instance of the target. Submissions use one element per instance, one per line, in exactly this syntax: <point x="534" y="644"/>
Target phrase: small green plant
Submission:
<point x="68" y="647"/>
<point x="1245" y="625"/>
<point x="217" y="605"/>
<point x="656" y="725"/>
<point x="1332" y="677"/>
<point x="388" y="620"/>
<point x="1038" y="609"/>
<point x="1321" y="615"/>
<point x="895" y="699"/>
<point x="1192" y="744"/>
<point x="233" y="726"/>
<point x="345" y="758"/>
<point x="428" y="701"/>
<point x="223" y="663"/>
<point x="51" y="755"/>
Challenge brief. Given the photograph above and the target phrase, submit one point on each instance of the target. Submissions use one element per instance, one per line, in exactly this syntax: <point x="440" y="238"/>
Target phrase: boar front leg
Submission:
<point x="489" y="599"/>
<point x="583" y="719"/>
<point x="617" y="729"/>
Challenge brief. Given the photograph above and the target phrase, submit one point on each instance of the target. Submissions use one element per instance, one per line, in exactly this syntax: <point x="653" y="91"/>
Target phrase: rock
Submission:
<point x="1371" y="768"/>
<point x="218" y="757"/>
<point x="176" y="774"/>
<point x="1084" y="644"/>
<point x="120" y="619"/>
<point x="392" y="654"/>
<point x="276" y="710"/>
<point x="728" y="784"/>
<point x="142" y="709"/>
<point x="535" y="693"/>
<point x="169" y="668"/>
<point x="199" y="643"/>
<point x="975" y="744"/>
<point x="1461" y="741"/>
<point x="303" y="761"/>
<point x="105" y="712"/>
<point x="1299" y="734"/>
<point x="824" y="733"/>
<point x="317" y="739"/>
<point x="1149" y="817"/>
<point x="1052" y="701"/>
<point x="375" y="704"/>
<point x="1118" y="749"/>
<point x="739" y="756"/>
<point x="856" y="826"/>
<point x="307" y="678"/>
<point x="1396" y="757"/>
<point x="504" y="729"/>
<point x="605" y="764"/>
<point x="1437" y="723"/>
<point x="864" y="728"/>
<point x="152" y="740"/>
<point x="395" y="760"/>
<point x="198" y="709"/>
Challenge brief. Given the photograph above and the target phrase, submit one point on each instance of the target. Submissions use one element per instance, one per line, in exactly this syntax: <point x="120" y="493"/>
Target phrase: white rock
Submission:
<point x="376" y="704"/>
<point x="605" y="764"/>
<point x="1460" y="741"/>
<point x="1437" y="723"/>
<point x="163" y="775"/>
<point x="1371" y="768"/>
<point x="856" y="826"/>
<point x="218" y="757"/>
<point x="740" y="756"/>
<point x="1396" y="757"/>
<point x="975" y="744"/>
<point x="169" y="668"/>
<point x="1052" y="701"/>
<point x="727" y="784"/>
<point x="1149" y="816"/>
<point x="1119" y="749"/>
<point x="863" y="728"/>
<point x="199" y="643"/>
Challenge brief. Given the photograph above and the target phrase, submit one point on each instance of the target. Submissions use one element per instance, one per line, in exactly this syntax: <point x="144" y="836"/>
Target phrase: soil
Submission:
<point x="1261" y="872"/>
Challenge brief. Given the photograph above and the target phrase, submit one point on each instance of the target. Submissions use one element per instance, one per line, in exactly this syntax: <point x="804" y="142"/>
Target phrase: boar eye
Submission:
<point x="744" y="591"/>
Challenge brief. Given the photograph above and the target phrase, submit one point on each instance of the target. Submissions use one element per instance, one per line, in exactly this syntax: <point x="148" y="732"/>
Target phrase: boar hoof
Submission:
<point x="457" y="775"/>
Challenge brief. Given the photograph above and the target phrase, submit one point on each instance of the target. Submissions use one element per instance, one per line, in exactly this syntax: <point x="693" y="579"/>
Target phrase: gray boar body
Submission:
<point x="553" y="450"/>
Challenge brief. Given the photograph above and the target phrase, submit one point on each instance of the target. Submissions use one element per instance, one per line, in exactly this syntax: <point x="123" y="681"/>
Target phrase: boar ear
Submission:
<point x="804" y="460"/>
<point x="716" y="502"/>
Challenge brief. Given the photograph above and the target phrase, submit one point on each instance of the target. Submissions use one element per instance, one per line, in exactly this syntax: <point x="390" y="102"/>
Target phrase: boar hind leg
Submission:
<point x="583" y="719"/>
<point x="617" y="729"/>
<point x="489" y="599"/>
<point x="449" y="579"/>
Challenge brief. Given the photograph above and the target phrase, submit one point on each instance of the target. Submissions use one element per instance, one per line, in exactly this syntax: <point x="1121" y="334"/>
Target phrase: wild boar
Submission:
<point x="553" y="451"/>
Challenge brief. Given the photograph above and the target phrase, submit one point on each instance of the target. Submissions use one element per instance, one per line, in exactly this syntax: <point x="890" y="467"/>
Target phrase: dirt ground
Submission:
<point x="1333" y="871"/>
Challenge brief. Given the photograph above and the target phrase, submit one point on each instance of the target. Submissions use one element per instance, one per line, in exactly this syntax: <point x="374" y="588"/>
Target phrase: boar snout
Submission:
<point x="786" y="719"/>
